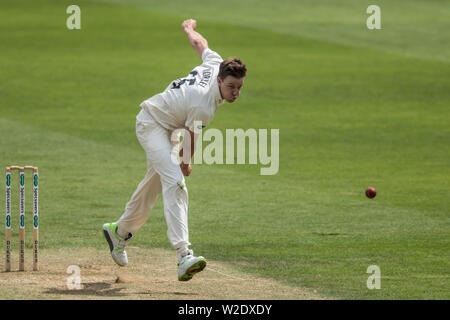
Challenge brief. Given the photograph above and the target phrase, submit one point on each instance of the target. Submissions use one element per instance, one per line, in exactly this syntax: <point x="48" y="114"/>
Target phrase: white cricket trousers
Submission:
<point x="163" y="176"/>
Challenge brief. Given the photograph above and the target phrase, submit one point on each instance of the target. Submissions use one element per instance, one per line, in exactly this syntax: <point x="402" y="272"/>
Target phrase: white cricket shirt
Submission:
<point x="193" y="98"/>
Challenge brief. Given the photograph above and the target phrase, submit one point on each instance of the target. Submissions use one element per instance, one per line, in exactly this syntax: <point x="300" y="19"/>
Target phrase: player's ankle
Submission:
<point x="121" y="234"/>
<point x="182" y="252"/>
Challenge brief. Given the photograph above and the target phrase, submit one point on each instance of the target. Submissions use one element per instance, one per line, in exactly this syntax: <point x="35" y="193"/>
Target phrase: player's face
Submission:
<point x="230" y="87"/>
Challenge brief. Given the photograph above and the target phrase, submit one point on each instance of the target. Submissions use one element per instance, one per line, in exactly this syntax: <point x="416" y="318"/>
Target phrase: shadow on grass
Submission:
<point x="102" y="289"/>
<point x="90" y="289"/>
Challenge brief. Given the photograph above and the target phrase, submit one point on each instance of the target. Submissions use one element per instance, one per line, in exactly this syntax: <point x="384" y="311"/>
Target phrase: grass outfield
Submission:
<point x="351" y="114"/>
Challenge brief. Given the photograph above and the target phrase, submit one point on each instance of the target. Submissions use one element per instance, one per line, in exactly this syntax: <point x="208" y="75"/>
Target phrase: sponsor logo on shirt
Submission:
<point x="206" y="78"/>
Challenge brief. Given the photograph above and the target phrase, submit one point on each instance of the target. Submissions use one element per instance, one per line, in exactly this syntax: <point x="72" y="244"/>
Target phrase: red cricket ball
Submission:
<point x="371" y="193"/>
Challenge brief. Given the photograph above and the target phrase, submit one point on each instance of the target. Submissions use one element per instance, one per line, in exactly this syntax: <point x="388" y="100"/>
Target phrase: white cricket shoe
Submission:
<point x="116" y="243"/>
<point x="189" y="266"/>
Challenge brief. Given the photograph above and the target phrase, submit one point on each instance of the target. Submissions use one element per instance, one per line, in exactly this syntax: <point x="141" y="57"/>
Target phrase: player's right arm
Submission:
<point x="187" y="150"/>
<point x="195" y="39"/>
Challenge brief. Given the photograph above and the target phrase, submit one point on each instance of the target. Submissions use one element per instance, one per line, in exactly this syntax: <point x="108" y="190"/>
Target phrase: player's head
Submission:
<point x="231" y="78"/>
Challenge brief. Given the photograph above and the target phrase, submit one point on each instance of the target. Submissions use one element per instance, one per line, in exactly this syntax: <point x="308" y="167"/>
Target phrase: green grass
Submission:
<point x="353" y="111"/>
<point x="411" y="27"/>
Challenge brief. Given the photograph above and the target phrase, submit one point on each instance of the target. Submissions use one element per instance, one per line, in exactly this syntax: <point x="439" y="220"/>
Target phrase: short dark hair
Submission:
<point x="232" y="67"/>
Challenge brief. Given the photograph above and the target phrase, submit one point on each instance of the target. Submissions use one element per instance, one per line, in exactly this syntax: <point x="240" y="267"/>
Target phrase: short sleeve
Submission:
<point x="211" y="57"/>
<point x="197" y="119"/>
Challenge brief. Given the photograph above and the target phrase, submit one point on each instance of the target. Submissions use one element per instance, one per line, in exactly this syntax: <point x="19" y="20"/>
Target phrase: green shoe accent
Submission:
<point x="114" y="228"/>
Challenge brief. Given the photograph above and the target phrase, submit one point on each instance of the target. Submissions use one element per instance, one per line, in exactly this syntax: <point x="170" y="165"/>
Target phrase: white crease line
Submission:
<point x="211" y="269"/>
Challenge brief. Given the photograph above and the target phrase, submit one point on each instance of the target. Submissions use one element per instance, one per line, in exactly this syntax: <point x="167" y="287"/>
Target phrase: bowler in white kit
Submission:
<point x="188" y="103"/>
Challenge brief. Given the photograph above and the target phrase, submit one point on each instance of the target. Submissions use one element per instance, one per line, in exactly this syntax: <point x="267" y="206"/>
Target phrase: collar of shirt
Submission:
<point x="217" y="95"/>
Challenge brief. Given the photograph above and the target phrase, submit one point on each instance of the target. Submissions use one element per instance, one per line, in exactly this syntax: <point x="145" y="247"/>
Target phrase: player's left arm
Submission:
<point x="188" y="144"/>
<point x="195" y="39"/>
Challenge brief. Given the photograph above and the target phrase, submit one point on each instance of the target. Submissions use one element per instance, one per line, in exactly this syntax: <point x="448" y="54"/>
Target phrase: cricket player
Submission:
<point x="188" y="104"/>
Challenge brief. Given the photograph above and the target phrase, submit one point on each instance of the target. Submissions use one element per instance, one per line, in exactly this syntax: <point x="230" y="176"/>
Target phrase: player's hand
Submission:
<point x="189" y="24"/>
<point x="186" y="169"/>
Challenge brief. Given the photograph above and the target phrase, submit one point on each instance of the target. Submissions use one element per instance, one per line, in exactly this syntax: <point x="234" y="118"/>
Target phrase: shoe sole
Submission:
<point x="111" y="246"/>
<point x="108" y="239"/>
<point x="192" y="270"/>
